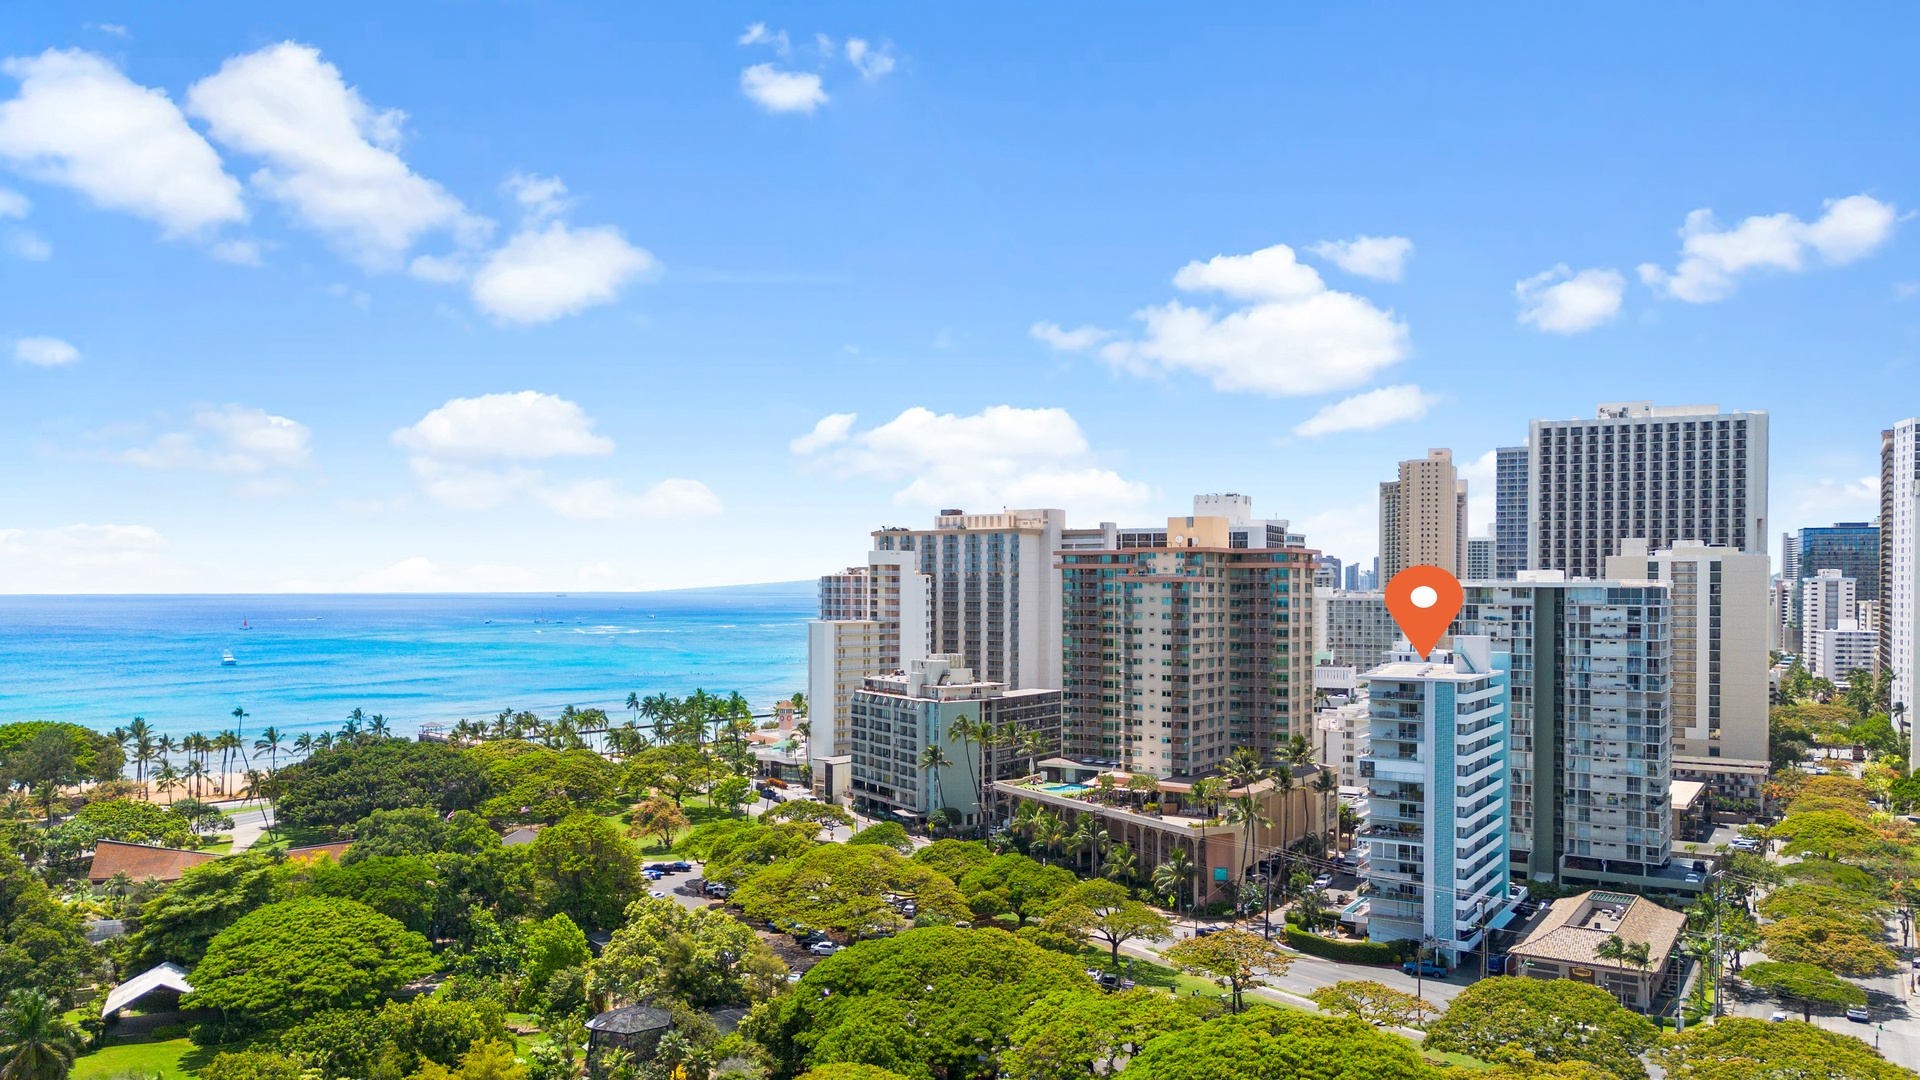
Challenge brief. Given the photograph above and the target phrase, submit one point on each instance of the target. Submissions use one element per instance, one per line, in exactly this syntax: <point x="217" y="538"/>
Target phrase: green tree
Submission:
<point x="401" y="887"/>
<point x="585" y="870"/>
<point x="659" y="816"/>
<point x="490" y="1060"/>
<point x="1843" y="944"/>
<point x="36" y="1042"/>
<point x="416" y="830"/>
<point x="176" y="926"/>
<point x="1740" y="1048"/>
<point x="1376" y="1003"/>
<point x="1805" y="986"/>
<point x="129" y="821"/>
<point x="1106" y="911"/>
<point x="820" y="815"/>
<point x="251" y="1065"/>
<point x="1071" y="1034"/>
<point x="702" y="956"/>
<point x="847" y="888"/>
<point x="953" y="857"/>
<point x="340" y="786"/>
<point x="1234" y="958"/>
<point x="1265" y="1043"/>
<point x="42" y="944"/>
<point x="850" y="1070"/>
<point x="548" y="946"/>
<point x="288" y="960"/>
<point x="1015" y="885"/>
<point x="886" y="833"/>
<point x="535" y="784"/>
<point x="936" y="1001"/>
<point x="1555" y="1020"/>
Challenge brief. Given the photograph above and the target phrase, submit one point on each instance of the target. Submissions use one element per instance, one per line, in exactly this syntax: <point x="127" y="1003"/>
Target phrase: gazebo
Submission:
<point x="637" y="1029"/>
<point x="169" y="979"/>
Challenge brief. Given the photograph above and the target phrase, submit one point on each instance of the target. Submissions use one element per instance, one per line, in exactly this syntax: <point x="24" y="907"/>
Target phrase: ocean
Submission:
<point x="302" y="663"/>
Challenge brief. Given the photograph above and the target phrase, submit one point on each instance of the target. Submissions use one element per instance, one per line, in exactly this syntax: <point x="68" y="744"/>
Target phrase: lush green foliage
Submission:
<point x="741" y="850"/>
<point x="850" y="1070"/>
<point x="93" y="756"/>
<point x="36" y="1042"/>
<point x="1555" y="1020"/>
<point x="1375" y="1003"/>
<point x="953" y="857"/>
<point x="417" y="830"/>
<point x="531" y="783"/>
<point x="251" y="1065"/>
<point x="846" y="888"/>
<point x="1843" y="944"/>
<point x="1805" y="986"/>
<point x="1075" y="1033"/>
<point x="396" y="1040"/>
<point x="42" y="944"/>
<point x="289" y="960"/>
<point x="176" y="925"/>
<point x="887" y="833"/>
<point x="1738" y="1048"/>
<point x="131" y="821"/>
<point x="1233" y="958"/>
<point x="340" y="786"/>
<point x="584" y="869"/>
<point x="401" y="887"/>
<point x="550" y="946"/>
<point x="1013" y="884"/>
<point x="702" y="956"/>
<point x="1384" y="954"/>
<point x="1265" y="1043"/>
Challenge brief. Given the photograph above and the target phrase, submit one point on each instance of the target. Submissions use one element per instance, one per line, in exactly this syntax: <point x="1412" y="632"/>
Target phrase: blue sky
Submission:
<point x="596" y="297"/>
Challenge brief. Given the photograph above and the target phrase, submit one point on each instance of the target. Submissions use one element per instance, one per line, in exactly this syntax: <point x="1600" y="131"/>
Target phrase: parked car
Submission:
<point x="1324" y="881"/>
<point x="1208" y="931"/>
<point x="1859" y="1016"/>
<point x="1425" y="968"/>
<point x="1777" y="1016"/>
<point x="716" y="888"/>
<point x="657" y="894"/>
<point x="824" y="948"/>
<point x="1496" y="965"/>
<point x="1110" y="981"/>
<point x="679" y="867"/>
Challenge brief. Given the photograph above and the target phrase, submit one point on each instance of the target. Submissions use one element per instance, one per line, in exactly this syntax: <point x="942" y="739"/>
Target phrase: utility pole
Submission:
<point x="1718" y="875"/>
<point x="1481" y="918"/>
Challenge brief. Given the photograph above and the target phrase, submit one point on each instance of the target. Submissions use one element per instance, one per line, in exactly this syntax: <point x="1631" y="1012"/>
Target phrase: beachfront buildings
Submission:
<point x="1666" y="473"/>
<point x="1423" y="516"/>
<point x="1591" y="742"/>
<point x="896" y="717"/>
<point x="1900" y="565"/>
<point x="872" y="618"/>
<point x="1435" y="772"/>
<point x="1719" y="603"/>
<point x="1354" y="629"/>
<point x="1177" y="654"/>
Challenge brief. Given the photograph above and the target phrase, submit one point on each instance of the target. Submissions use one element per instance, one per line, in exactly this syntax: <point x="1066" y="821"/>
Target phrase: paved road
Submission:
<point x="249" y="823"/>
<point x="1310" y="973"/>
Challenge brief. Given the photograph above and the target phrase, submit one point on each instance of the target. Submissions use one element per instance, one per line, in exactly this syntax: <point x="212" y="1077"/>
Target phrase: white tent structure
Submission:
<point x="165" y="977"/>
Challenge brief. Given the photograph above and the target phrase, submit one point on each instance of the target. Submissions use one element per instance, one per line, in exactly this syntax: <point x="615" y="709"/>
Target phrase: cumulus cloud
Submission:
<point x="542" y="197"/>
<point x="25" y="244"/>
<point x="80" y="123"/>
<point x="84" y="558"/>
<point x="1370" y="411"/>
<point x="329" y="157"/>
<point x="1381" y="258"/>
<point x="870" y="62"/>
<point x="44" y="352"/>
<point x="1560" y="301"/>
<point x="1080" y="340"/>
<point x="466" y="454"/>
<point x="233" y="440"/>
<point x="1712" y="258"/>
<point x="1481" y="475"/>
<point x="1292" y="336"/>
<point x="543" y="274"/>
<point x="830" y="431"/>
<point x="1001" y="456"/>
<point x="782" y="91"/>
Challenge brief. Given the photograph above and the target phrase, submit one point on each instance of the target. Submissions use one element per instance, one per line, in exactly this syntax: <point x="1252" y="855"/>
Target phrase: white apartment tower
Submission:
<point x="1900" y="556"/>
<point x="873" y="618"/>
<point x="1665" y="473"/>
<point x="1827" y="599"/>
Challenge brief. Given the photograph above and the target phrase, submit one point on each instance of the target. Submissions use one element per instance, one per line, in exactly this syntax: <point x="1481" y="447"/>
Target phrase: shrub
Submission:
<point x="1351" y="952"/>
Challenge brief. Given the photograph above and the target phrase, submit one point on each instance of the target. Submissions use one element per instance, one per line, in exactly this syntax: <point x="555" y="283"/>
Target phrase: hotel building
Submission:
<point x="1900" y="556"/>
<point x="1423" y="517"/>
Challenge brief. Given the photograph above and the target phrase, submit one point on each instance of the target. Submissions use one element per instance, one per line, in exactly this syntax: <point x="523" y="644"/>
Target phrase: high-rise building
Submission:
<point x="1355" y="629"/>
<point x="1790" y="556"/>
<point x="1479" y="558"/>
<point x="897" y="715"/>
<point x="1779" y="612"/>
<point x="995" y="591"/>
<point x="1827" y="599"/>
<point x="1900" y="542"/>
<point x="873" y="618"/>
<point x="1352" y="583"/>
<point x="1849" y="647"/>
<point x="1326" y="572"/>
<point x="1720" y="612"/>
<point x="1851" y="547"/>
<point x="1510" y="478"/>
<point x="1591" y="747"/>
<point x="1665" y="473"/>
<point x="1181" y="653"/>
<point x="1436" y="774"/>
<point x="1423" y="516"/>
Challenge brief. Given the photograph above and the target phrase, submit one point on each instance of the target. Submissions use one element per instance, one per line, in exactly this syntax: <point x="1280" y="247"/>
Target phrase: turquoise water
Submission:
<point x="306" y="661"/>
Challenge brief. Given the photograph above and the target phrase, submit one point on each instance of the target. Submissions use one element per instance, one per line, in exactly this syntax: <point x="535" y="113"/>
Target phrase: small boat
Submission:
<point x="227" y="660"/>
<point x="244" y="626"/>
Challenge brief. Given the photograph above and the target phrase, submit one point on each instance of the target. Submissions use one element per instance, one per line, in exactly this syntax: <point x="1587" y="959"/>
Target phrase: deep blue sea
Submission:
<point x="304" y="662"/>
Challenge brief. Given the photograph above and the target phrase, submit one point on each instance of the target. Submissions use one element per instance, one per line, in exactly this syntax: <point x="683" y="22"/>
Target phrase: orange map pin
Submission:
<point x="1424" y="600"/>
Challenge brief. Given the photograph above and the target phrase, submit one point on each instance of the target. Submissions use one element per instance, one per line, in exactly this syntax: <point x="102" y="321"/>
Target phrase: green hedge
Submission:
<point x="1350" y="952"/>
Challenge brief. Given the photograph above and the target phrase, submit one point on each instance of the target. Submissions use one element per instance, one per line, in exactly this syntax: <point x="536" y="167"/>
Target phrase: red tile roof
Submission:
<point x="140" y="862"/>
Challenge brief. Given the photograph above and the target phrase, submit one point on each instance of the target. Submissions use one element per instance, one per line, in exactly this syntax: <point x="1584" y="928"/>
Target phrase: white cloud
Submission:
<point x="80" y="123"/>
<point x="1000" y="457"/>
<point x="1712" y="258"/>
<point x="84" y="559"/>
<point x="1560" y="301"/>
<point x="237" y="252"/>
<point x="25" y="244"/>
<point x="758" y="34"/>
<point x="13" y="204"/>
<point x="1481" y="476"/>
<point x="870" y="62"/>
<point x="1381" y="258"/>
<point x="421" y="574"/>
<point x="1294" y="337"/>
<point x="519" y="426"/>
<point x="782" y="91"/>
<point x="1370" y="411"/>
<point x="44" y="351"/>
<point x="541" y="197"/>
<point x="599" y="500"/>
<point x="233" y="440"/>
<point x="1086" y="337"/>
<point x="330" y="157"/>
<point x="831" y="430"/>
<point x="542" y="274"/>
<point x="1826" y="499"/>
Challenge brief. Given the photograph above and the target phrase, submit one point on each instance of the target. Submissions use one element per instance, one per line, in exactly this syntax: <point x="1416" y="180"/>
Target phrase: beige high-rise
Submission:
<point x="1423" y="517"/>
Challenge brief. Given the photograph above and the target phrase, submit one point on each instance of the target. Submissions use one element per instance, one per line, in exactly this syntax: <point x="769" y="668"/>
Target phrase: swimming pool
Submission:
<point x="1065" y="789"/>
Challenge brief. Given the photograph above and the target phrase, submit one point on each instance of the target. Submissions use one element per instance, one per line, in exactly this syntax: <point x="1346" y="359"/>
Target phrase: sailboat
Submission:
<point x="244" y="626"/>
<point x="226" y="658"/>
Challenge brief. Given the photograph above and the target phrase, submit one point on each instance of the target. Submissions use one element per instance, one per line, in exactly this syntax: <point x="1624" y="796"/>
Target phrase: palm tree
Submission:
<point x="1121" y="863"/>
<point x="1245" y="811"/>
<point x="196" y="772"/>
<point x="1283" y="783"/>
<point x="1032" y="745"/>
<point x="269" y="741"/>
<point x="1093" y="839"/>
<point x="1050" y="835"/>
<point x="633" y="702"/>
<point x="1105" y="784"/>
<point x="1171" y="876"/>
<point x="167" y="747"/>
<point x="932" y="760"/>
<point x="1324" y="785"/>
<point x="230" y="746"/>
<point x="240" y="721"/>
<point x="965" y="730"/>
<point x="165" y="777"/>
<point x="351" y="729"/>
<point x="1208" y="791"/>
<point x="323" y="741"/>
<point x="36" y="1041"/>
<point x="1143" y="784"/>
<point x="303" y="743"/>
<point x="377" y="726"/>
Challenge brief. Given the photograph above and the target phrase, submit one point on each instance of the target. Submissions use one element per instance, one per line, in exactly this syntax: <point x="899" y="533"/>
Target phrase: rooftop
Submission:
<point x="141" y="862"/>
<point x="1577" y="926"/>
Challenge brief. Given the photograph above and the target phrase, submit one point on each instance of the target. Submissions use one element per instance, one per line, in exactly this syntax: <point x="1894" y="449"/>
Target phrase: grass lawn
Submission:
<point x="145" y="1055"/>
<point x="698" y="813"/>
<point x="1148" y="973"/>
